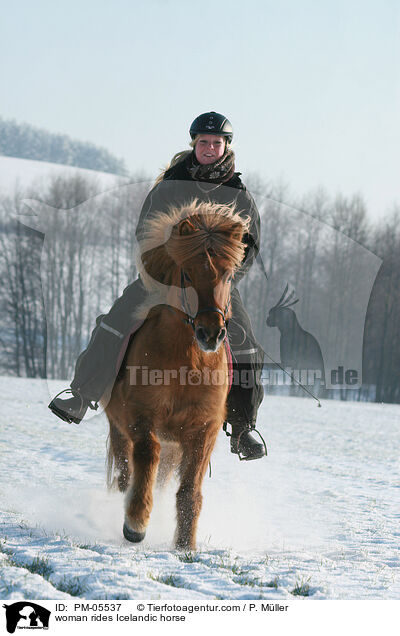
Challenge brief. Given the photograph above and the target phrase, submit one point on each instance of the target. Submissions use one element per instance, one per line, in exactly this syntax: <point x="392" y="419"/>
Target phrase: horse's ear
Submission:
<point x="185" y="228"/>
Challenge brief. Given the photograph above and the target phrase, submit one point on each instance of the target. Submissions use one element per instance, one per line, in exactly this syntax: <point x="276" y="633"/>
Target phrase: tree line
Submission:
<point x="30" y="142"/>
<point x="54" y="286"/>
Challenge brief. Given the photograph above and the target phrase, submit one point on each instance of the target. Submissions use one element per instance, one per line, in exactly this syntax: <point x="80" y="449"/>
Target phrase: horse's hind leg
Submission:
<point x="195" y="458"/>
<point x="139" y="501"/>
<point x="120" y="457"/>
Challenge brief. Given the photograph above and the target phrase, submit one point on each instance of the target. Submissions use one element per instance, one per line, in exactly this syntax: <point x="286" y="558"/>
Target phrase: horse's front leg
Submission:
<point x="195" y="458"/>
<point x="139" y="500"/>
<point x="120" y="454"/>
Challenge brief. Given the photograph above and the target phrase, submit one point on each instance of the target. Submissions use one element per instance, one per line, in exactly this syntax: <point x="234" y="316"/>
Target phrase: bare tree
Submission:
<point x="23" y="325"/>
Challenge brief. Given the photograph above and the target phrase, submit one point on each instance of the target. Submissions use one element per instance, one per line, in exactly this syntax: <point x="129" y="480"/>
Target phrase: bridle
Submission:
<point x="186" y="307"/>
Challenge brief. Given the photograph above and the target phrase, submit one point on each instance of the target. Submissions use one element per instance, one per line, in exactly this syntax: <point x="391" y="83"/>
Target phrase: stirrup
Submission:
<point x="91" y="404"/>
<point x="250" y="428"/>
<point x="57" y="406"/>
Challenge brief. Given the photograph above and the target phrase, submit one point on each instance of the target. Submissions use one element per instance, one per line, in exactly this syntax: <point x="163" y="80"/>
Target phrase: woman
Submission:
<point x="206" y="172"/>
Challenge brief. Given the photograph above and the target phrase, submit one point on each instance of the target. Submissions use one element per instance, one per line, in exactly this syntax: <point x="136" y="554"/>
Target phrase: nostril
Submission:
<point x="204" y="334"/>
<point x="201" y="333"/>
<point x="222" y="334"/>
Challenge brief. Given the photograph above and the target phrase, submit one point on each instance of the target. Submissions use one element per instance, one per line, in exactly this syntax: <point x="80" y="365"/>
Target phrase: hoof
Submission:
<point x="132" y="535"/>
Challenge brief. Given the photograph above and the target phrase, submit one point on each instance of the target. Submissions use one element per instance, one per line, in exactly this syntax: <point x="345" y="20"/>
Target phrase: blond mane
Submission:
<point x="216" y="229"/>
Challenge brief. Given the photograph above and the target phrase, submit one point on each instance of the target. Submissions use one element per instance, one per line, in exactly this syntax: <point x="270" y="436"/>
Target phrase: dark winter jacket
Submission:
<point x="178" y="187"/>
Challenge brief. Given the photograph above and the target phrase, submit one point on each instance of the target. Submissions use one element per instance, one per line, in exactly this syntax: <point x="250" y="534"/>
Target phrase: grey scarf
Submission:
<point x="218" y="172"/>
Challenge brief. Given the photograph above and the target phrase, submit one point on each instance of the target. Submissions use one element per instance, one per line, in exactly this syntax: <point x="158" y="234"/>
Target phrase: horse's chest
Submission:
<point x="189" y="398"/>
<point x="189" y="407"/>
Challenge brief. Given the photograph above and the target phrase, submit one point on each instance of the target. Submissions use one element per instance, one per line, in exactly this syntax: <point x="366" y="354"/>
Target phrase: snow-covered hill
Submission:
<point x="319" y="518"/>
<point x="24" y="172"/>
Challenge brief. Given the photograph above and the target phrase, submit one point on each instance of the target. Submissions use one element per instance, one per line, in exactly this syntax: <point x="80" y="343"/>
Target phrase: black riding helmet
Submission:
<point x="212" y="124"/>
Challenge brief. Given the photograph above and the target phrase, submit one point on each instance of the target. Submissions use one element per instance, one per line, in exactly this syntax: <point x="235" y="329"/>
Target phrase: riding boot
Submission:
<point x="71" y="410"/>
<point x="246" y="393"/>
<point x="244" y="444"/>
<point x="96" y="368"/>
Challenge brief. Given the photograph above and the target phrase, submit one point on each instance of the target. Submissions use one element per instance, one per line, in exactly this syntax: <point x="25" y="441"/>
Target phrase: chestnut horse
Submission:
<point x="169" y="401"/>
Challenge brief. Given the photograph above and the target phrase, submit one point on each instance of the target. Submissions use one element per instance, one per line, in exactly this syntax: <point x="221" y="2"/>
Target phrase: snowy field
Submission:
<point x="15" y="173"/>
<point x="318" y="519"/>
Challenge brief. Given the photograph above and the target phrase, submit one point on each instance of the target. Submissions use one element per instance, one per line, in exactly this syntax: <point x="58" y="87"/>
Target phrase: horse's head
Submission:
<point x="209" y="269"/>
<point x="204" y="249"/>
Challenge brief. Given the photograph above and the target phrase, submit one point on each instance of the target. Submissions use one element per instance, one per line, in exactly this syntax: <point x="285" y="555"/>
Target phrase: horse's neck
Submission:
<point x="173" y="334"/>
<point x="176" y="339"/>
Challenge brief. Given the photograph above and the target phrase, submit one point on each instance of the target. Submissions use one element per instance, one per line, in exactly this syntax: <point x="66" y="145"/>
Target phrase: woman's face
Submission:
<point x="209" y="148"/>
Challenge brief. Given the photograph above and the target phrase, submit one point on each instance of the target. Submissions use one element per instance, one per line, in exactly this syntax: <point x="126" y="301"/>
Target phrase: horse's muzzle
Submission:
<point x="210" y="338"/>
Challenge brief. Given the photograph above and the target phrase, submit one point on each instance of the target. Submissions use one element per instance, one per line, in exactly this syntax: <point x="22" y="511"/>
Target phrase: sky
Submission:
<point x="311" y="87"/>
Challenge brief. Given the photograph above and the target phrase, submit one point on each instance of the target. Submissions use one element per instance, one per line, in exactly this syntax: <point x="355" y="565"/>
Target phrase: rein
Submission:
<point x="186" y="307"/>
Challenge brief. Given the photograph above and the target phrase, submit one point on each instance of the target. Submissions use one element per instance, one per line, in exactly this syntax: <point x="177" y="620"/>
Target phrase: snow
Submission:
<point x="322" y="511"/>
<point x="16" y="172"/>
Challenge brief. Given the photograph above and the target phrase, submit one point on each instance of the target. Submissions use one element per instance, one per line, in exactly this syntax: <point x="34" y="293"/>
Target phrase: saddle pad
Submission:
<point x="230" y="363"/>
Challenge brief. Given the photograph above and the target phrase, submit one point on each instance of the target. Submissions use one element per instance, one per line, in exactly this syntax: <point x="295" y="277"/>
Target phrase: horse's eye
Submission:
<point x="228" y="277"/>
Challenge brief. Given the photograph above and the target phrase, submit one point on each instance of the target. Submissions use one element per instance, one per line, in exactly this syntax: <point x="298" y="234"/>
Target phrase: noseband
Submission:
<point x="186" y="307"/>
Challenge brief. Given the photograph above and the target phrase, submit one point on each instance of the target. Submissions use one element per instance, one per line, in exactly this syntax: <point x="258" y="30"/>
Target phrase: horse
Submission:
<point x="169" y="400"/>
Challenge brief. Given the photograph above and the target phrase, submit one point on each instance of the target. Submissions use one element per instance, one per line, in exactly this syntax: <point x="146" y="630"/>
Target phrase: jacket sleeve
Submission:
<point x="246" y="205"/>
<point x="167" y="193"/>
<point x="155" y="201"/>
